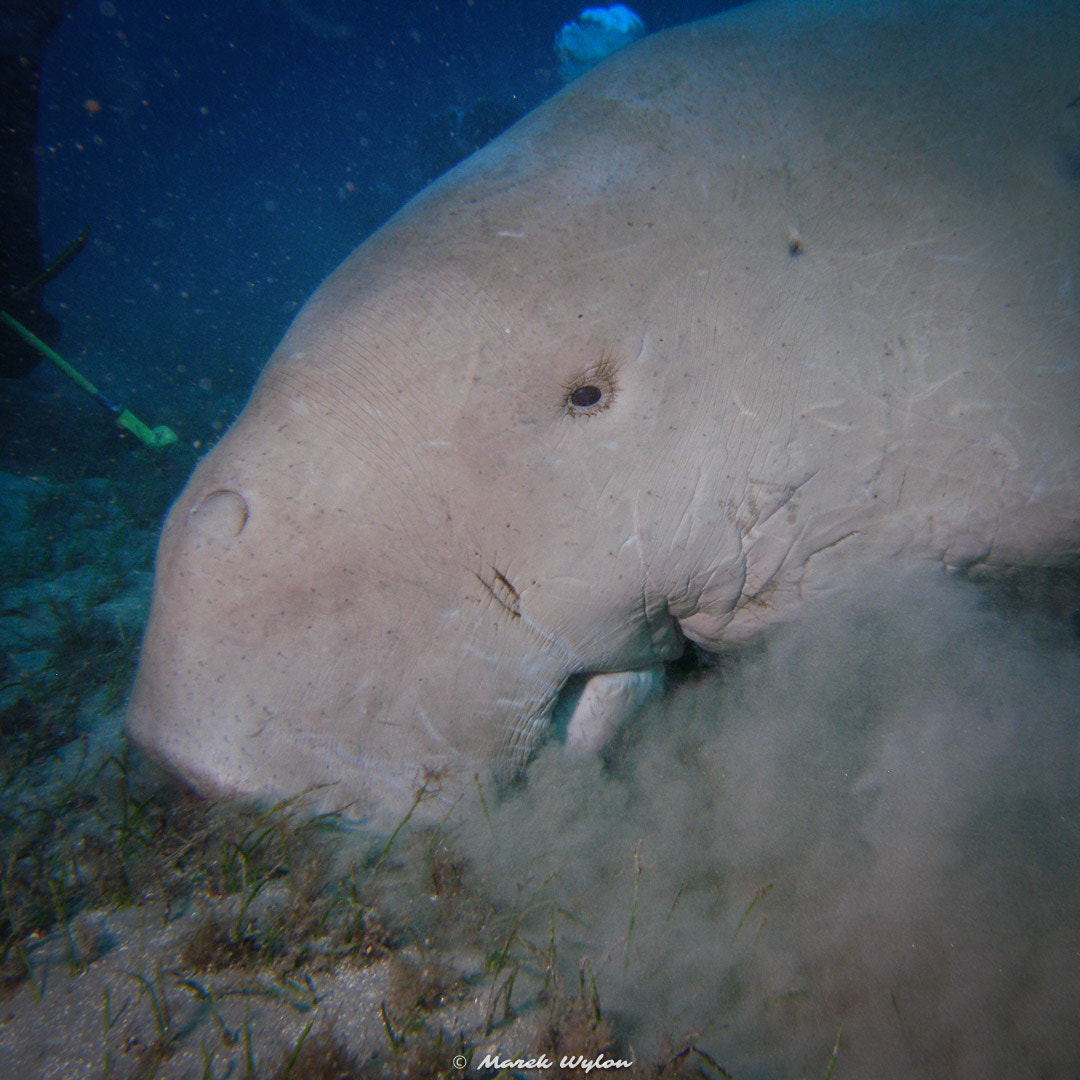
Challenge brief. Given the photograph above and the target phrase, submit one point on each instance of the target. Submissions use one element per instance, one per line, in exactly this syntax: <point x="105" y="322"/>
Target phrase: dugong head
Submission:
<point x="445" y="499"/>
<point x="388" y="569"/>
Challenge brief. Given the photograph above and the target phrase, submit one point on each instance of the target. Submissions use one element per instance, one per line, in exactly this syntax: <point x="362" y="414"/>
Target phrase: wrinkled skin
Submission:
<point x="759" y="300"/>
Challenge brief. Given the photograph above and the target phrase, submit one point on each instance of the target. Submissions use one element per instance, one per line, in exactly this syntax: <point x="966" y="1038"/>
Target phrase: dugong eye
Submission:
<point x="584" y="396"/>
<point x="593" y="390"/>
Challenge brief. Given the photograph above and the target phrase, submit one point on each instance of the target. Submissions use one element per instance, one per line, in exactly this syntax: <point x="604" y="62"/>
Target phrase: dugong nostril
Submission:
<point x="220" y="516"/>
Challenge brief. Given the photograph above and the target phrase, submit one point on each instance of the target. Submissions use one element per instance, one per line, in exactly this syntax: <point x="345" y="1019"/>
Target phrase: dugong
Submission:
<point x="757" y="304"/>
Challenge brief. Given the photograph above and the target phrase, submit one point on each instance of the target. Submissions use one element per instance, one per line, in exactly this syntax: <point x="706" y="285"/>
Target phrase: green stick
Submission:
<point x="155" y="437"/>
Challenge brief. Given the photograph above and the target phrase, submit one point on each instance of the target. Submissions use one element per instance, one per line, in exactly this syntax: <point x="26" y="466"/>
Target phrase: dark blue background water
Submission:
<point x="225" y="158"/>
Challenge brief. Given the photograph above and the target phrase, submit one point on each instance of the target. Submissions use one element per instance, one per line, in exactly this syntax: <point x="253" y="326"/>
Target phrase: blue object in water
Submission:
<point x="597" y="33"/>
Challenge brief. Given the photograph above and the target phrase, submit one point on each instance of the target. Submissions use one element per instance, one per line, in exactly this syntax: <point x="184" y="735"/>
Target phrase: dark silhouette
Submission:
<point x="25" y="27"/>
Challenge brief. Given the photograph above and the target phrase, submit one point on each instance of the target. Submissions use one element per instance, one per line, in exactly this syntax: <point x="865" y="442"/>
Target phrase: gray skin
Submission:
<point x="819" y="260"/>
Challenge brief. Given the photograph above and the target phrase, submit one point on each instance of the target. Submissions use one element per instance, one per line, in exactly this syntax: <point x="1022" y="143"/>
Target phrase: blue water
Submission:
<point x="226" y="157"/>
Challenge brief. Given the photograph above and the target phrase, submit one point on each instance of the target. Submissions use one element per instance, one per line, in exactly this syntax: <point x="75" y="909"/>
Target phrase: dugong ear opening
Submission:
<point x="220" y="515"/>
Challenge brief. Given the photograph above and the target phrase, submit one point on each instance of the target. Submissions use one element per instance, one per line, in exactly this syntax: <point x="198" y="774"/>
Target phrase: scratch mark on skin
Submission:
<point x="743" y="409"/>
<point x="839" y="540"/>
<point x="492" y="659"/>
<point x="430" y="729"/>
<point x="511" y="601"/>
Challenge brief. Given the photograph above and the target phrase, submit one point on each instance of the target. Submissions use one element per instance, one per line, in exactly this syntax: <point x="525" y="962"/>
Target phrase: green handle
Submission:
<point x="155" y="437"/>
